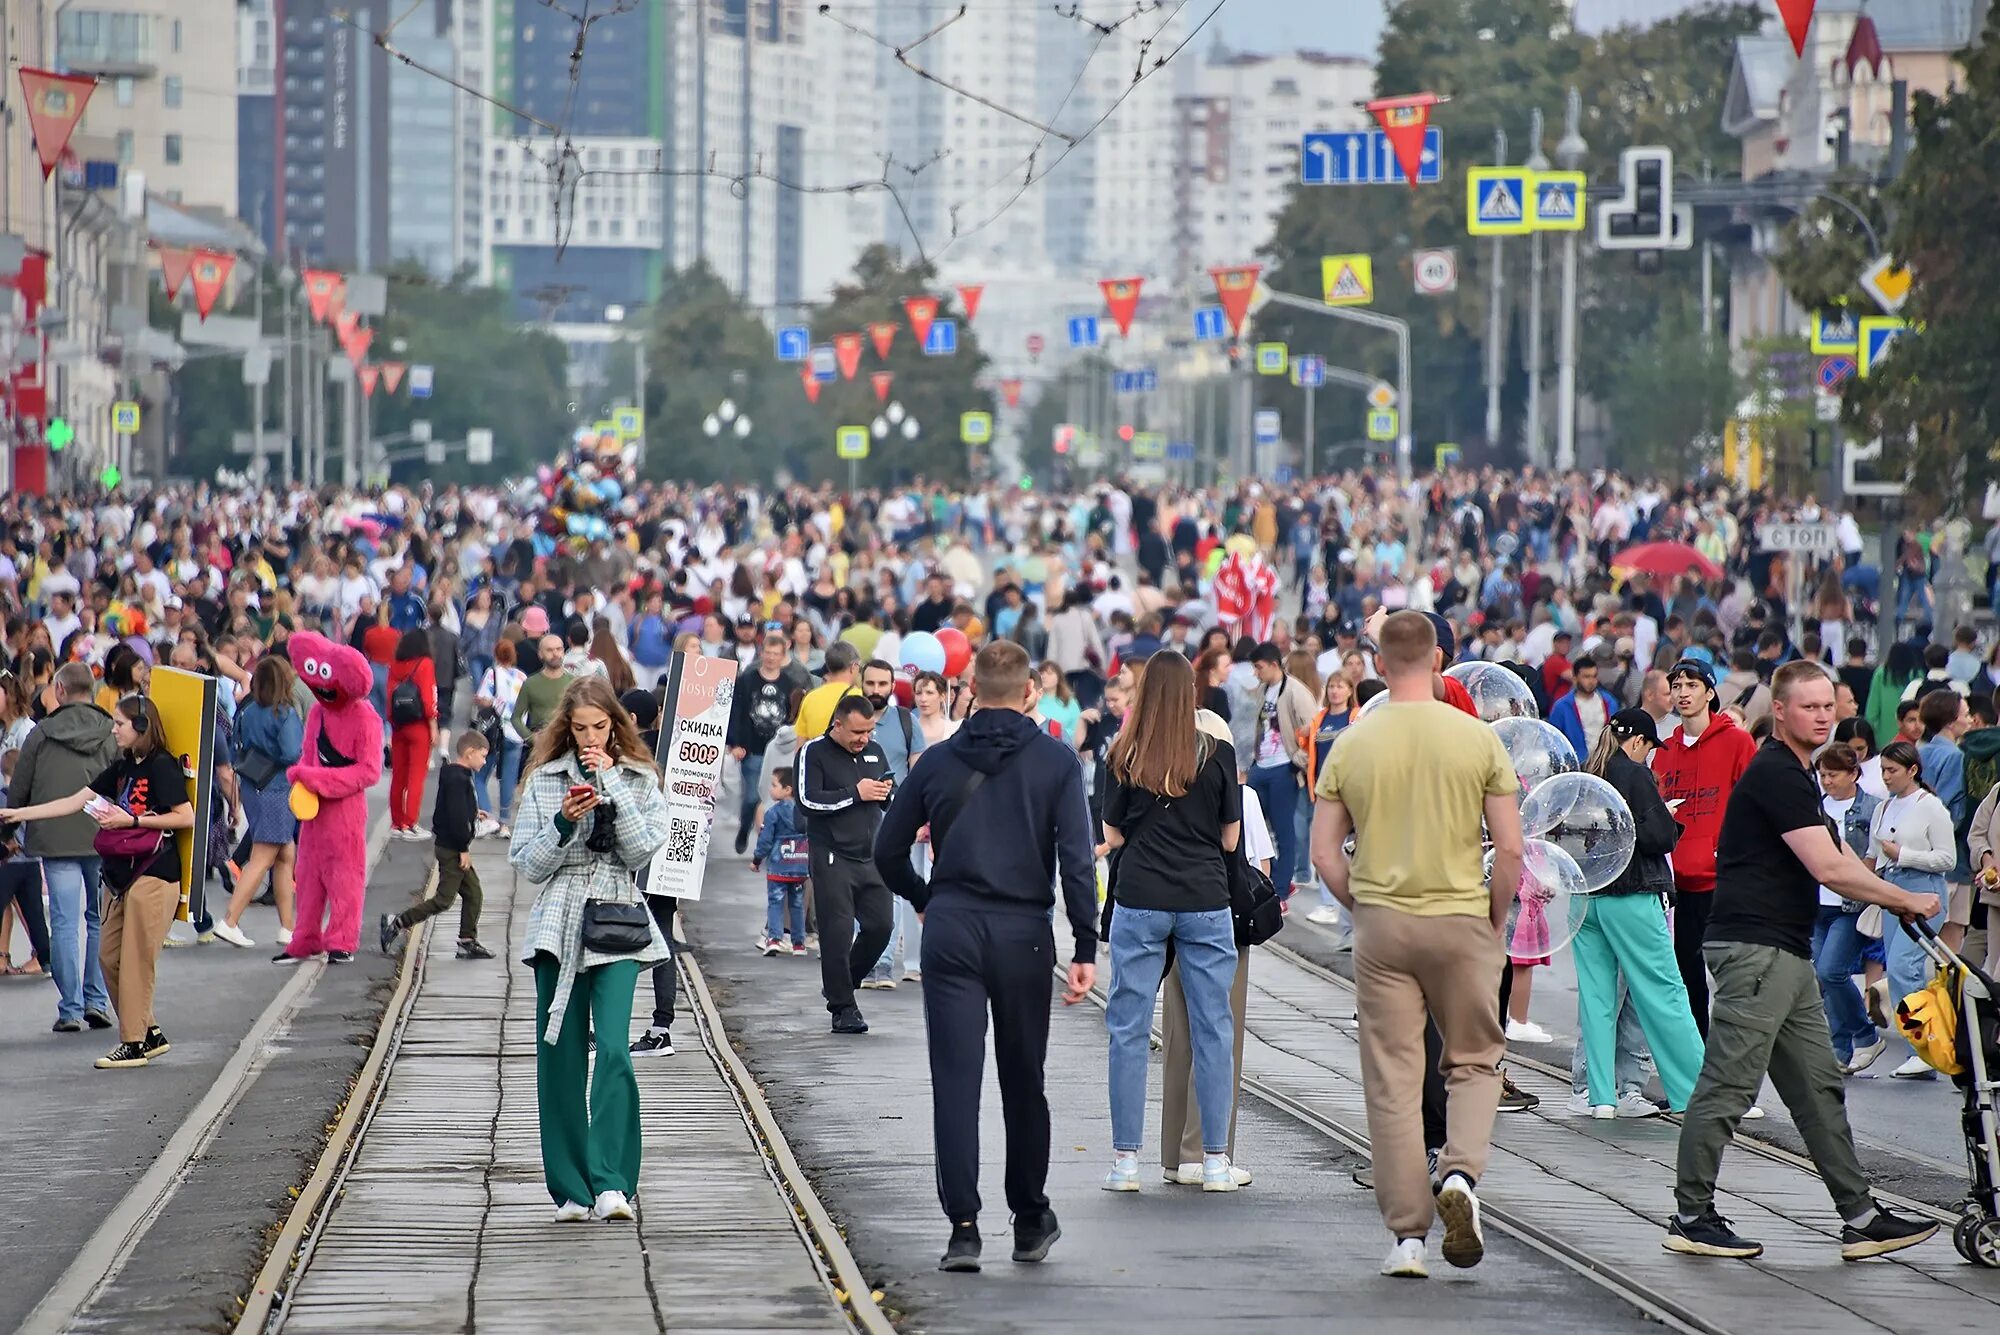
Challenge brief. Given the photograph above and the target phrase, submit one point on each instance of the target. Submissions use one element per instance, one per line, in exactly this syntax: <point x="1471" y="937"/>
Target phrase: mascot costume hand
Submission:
<point x="340" y="762"/>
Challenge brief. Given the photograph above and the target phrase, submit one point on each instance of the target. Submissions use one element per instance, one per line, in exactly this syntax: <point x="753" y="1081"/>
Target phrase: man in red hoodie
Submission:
<point x="1697" y="769"/>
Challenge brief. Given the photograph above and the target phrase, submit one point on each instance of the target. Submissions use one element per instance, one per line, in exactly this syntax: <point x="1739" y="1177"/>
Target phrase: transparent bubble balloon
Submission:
<point x="1539" y="750"/>
<point x="1379" y="698"/>
<point x="1588" y="819"/>
<point x="1549" y="903"/>
<point x="1496" y="692"/>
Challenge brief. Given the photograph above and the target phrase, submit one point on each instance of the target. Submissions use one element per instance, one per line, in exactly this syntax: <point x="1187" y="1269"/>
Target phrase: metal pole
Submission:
<point x="1707" y="294"/>
<point x="1531" y="433"/>
<point x="1570" y="153"/>
<point x="1495" y="303"/>
<point x="1307" y="473"/>
<point x="639" y="396"/>
<point x="291" y="387"/>
<point x="350" y="423"/>
<point x="1207" y="474"/>
<point x="259" y="469"/>
<point x="1404" y="468"/>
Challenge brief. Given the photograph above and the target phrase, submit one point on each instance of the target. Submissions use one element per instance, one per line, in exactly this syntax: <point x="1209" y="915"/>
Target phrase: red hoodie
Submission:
<point x="1704" y="774"/>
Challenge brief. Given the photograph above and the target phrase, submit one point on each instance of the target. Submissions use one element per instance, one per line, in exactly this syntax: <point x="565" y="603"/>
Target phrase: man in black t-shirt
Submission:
<point x="1775" y="850"/>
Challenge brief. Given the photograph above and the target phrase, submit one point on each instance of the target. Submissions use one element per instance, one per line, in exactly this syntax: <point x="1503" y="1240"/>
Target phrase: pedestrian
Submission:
<point x="1336" y="712"/>
<point x="1007" y="815"/>
<point x="1839" y="946"/>
<point x="1284" y="712"/>
<point x="270" y="736"/>
<point x="896" y="732"/>
<point x="783" y="855"/>
<point x="1173" y="816"/>
<point x="1413" y="781"/>
<point x="1910" y="842"/>
<point x="540" y="694"/>
<point x="1775" y="851"/>
<point x="494" y="696"/>
<point x="592" y="816"/>
<point x="1624" y="950"/>
<point x="844" y="787"/>
<point x="136" y="800"/>
<point x="413" y="730"/>
<point x="453" y="821"/>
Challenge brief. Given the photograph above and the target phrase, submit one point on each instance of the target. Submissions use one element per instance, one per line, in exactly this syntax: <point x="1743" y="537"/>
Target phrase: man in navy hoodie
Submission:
<point x="1006" y="809"/>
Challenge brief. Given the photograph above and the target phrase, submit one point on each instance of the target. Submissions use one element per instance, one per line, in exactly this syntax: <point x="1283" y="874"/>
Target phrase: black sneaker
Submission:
<point x="1364" y="1177"/>
<point x="98" y="1020"/>
<point x="653" y="1043"/>
<point x="68" y="1027"/>
<point x="742" y="840"/>
<point x="961" y="1254"/>
<point x="472" y="950"/>
<point x="155" y="1043"/>
<point x="390" y="928"/>
<point x="283" y="958"/>
<point x="1709" y="1235"/>
<point x="122" y="1056"/>
<point x="340" y="957"/>
<point x="1515" y="1099"/>
<point x="1883" y="1234"/>
<point x="1034" y="1234"/>
<point x="847" y="1020"/>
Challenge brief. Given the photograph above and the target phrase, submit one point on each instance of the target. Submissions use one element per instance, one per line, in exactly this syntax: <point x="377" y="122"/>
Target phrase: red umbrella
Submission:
<point x="1663" y="560"/>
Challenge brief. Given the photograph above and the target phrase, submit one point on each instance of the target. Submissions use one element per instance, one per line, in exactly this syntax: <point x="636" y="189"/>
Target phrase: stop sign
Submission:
<point x="1035" y="345"/>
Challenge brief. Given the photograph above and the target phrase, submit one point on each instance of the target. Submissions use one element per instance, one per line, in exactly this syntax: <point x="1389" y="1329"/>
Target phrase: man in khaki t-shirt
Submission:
<point x="1413" y="781"/>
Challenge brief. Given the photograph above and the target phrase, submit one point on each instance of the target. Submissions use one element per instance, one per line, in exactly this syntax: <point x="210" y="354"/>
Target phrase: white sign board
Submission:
<point x="1435" y="272"/>
<point x="694" y="727"/>
<point x="1818" y="539"/>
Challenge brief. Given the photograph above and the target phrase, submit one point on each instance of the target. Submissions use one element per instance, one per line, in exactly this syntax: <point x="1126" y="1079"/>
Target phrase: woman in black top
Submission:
<point x="1173" y="813"/>
<point x="144" y="790"/>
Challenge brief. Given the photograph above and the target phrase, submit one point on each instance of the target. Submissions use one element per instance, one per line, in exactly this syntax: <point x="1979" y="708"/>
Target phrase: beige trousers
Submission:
<point x="128" y="946"/>
<point x="1180" y="1125"/>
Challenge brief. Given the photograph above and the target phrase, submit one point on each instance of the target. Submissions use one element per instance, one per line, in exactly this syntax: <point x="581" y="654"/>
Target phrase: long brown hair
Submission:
<point x="1155" y="749"/>
<point x="554" y="742"/>
<point x="145" y="720"/>
<point x="271" y="682"/>
<point x="604" y="648"/>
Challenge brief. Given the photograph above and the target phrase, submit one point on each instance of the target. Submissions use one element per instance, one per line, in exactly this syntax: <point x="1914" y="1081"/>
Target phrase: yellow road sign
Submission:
<point x="1382" y="424"/>
<point x="1835" y="333"/>
<point x="975" y="428"/>
<point x="1347" y="280"/>
<point x="1558" y="200"/>
<point x="125" y="418"/>
<point x="851" y="442"/>
<point x="1381" y="398"/>
<point x="631" y="422"/>
<point x="1272" y="358"/>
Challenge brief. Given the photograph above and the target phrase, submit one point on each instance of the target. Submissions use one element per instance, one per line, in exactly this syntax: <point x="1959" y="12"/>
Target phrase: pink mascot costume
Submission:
<point x="340" y="762"/>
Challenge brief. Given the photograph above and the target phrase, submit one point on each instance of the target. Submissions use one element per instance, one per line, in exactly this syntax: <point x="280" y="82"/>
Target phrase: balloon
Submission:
<point x="1496" y="692"/>
<point x="1588" y="819"/>
<point x="1548" y="908"/>
<point x="1380" y="697"/>
<point x="905" y="693"/>
<point x="922" y="652"/>
<point x="1538" y="750"/>
<point x="957" y="649"/>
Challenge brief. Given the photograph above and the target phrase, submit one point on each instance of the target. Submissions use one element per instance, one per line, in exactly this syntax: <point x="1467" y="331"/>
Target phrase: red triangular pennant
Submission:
<point x="1234" y="286"/>
<point x="968" y="296"/>
<point x="921" y="310"/>
<point x="847" y="354"/>
<point x="175" y="262"/>
<point x="210" y="273"/>
<point x="355" y="345"/>
<point x="1010" y="390"/>
<point x="392" y="375"/>
<point x="344" y="323"/>
<point x="1403" y="121"/>
<point x="323" y="287"/>
<point x="811" y="382"/>
<point x="1121" y="297"/>
<point x="55" y="105"/>
<point x="884" y="334"/>
<point x="367" y="375"/>
<point x="882" y="380"/>
<point x="1798" y="16"/>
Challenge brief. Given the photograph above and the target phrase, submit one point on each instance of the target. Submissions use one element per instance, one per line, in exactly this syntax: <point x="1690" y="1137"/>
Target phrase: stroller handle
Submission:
<point x="1926" y="936"/>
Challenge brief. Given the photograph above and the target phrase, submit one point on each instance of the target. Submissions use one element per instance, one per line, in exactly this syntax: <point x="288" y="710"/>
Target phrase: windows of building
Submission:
<point x="173" y="149"/>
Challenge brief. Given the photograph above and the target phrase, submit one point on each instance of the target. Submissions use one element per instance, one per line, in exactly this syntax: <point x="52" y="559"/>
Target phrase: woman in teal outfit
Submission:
<point x="1625" y="933"/>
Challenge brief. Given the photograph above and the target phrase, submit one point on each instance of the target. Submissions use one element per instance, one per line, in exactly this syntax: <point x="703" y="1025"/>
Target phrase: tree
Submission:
<point x="1668" y="387"/>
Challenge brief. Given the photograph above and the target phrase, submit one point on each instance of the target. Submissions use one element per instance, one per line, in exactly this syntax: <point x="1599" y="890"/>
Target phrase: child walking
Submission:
<point x="453" y="821"/>
<point x="781" y="844"/>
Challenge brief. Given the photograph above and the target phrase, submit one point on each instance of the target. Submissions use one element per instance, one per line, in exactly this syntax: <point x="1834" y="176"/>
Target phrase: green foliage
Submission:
<point x="1667" y="387"/>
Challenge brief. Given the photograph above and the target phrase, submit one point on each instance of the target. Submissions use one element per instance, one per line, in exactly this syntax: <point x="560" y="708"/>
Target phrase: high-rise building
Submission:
<point x="257" y="118"/>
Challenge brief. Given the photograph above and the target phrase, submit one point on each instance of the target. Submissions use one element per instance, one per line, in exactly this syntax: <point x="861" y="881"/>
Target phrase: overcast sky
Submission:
<point x="1343" y="27"/>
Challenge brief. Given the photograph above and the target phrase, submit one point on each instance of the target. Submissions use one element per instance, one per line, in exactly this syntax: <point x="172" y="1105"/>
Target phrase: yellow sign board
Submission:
<point x="1876" y="334"/>
<point x="125" y="418"/>
<point x="1559" y="201"/>
<point x="1347" y="280"/>
<point x="851" y="442"/>
<point x="1272" y="358"/>
<point x="975" y="428"/>
<point x="1836" y="333"/>
<point x="631" y="422"/>
<point x="1382" y="424"/>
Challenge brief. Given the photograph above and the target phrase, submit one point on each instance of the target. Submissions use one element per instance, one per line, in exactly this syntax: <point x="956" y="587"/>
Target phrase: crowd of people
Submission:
<point x="1165" y="685"/>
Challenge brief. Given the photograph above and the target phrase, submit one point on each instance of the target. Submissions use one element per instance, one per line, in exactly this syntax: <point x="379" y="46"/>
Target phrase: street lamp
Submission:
<point x="909" y="428"/>
<point x="1570" y="151"/>
<point x="727" y="417"/>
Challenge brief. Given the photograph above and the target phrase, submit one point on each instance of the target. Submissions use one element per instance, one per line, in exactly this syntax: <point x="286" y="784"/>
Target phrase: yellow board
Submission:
<point x="631" y="422"/>
<point x="125" y="418"/>
<point x="1498" y="201"/>
<point x="1878" y="333"/>
<point x="975" y="428"/>
<point x="1835" y="334"/>
<point x="1559" y="201"/>
<point x="851" y="442"/>
<point x="1347" y="280"/>
<point x="1383" y="424"/>
<point x="1272" y="358"/>
<point x="186" y="701"/>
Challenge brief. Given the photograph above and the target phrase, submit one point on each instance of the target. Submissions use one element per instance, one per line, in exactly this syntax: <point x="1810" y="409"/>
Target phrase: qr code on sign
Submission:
<point x="683" y="838"/>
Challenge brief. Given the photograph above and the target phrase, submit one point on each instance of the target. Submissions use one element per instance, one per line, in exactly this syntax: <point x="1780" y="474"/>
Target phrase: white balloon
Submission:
<point x="1588" y="819"/>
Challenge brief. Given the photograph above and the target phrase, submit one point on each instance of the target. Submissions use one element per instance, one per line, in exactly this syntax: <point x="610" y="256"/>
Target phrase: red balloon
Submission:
<point x="904" y="693"/>
<point x="957" y="649"/>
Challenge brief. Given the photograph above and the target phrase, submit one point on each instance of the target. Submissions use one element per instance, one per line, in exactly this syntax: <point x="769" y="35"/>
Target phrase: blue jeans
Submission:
<point x="73" y="925"/>
<point x="785" y="903"/>
<point x="378" y="694"/>
<point x="1630" y="1046"/>
<point x="906" y="933"/>
<point x="752" y="767"/>
<point x="1277" y="787"/>
<point x="1836" y="959"/>
<point x="1205" y="947"/>
<point x="507" y="763"/>
<point x="1909" y="967"/>
<point x="1910" y="589"/>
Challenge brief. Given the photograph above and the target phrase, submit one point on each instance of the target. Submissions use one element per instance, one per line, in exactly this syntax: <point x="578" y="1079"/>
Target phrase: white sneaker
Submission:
<point x="1464" y="1244"/>
<point x="1916" y="1068"/>
<point x="486" y="829"/>
<point x="1187" y="1175"/>
<point x="1217" y="1174"/>
<point x="417" y="834"/>
<point x="1634" y="1104"/>
<point x="878" y="984"/>
<point x="569" y="1212"/>
<point x="1124" y="1174"/>
<point x="1579" y="1105"/>
<point x="233" y="935"/>
<point x="1864" y="1057"/>
<point x="1604" y="1112"/>
<point x="1325" y="916"/>
<point x="1406" y="1260"/>
<point x="1527" y="1031"/>
<point x="913" y="975"/>
<point x="1756" y="1114"/>
<point x="611" y="1205"/>
<point x="284" y="937"/>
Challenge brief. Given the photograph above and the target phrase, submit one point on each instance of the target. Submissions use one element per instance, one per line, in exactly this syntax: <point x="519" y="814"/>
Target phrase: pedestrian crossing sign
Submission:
<point x="1559" y="201"/>
<point x="1496" y="201"/>
<point x="1835" y="333"/>
<point x="975" y="428"/>
<point x="1347" y="280"/>
<point x="1272" y="358"/>
<point x="1382" y="424"/>
<point x="851" y="442"/>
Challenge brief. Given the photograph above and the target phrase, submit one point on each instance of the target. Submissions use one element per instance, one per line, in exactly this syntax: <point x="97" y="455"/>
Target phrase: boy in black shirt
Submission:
<point x="452" y="822"/>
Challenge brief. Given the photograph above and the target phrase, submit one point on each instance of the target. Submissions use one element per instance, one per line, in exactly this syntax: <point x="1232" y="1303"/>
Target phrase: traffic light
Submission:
<point x="1643" y="217"/>
<point x="1125" y="433"/>
<point x="59" y="434"/>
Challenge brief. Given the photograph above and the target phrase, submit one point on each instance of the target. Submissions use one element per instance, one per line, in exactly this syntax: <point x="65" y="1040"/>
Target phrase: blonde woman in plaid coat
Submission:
<point x="591" y="815"/>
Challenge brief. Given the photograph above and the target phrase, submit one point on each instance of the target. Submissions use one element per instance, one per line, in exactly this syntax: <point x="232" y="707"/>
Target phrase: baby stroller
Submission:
<point x="1954" y="1024"/>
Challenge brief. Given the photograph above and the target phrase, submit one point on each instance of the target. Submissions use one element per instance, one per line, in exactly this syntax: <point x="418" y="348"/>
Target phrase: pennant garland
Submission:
<point x="811" y="382"/>
<point x="210" y="273"/>
<point x="1234" y="286"/>
<point x="324" y="289"/>
<point x="355" y="345"/>
<point x="884" y="334"/>
<point x="1121" y="297"/>
<point x="1011" y="391"/>
<point x="847" y="353"/>
<point x="1404" y="121"/>
<point x="921" y="310"/>
<point x="55" y="105"/>
<point x="969" y="295"/>
<point x="392" y="375"/>
<point x="344" y="323"/>
<point x="367" y="374"/>
<point x="175" y="262"/>
<point x="1798" y="16"/>
<point x="882" y="380"/>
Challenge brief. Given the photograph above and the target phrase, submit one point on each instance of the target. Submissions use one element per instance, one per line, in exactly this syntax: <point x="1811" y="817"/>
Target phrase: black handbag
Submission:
<point x="613" y="927"/>
<point x="1254" y="906"/>
<point x="257" y="769"/>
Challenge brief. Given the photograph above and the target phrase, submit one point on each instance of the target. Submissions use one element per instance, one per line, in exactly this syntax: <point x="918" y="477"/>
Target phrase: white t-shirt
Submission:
<point x="1871" y="778"/>
<point x="1836" y="811"/>
<point x="1270" y="745"/>
<point x="1257" y="845"/>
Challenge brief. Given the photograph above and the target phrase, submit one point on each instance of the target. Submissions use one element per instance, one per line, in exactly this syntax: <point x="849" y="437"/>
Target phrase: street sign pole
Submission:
<point x="1306" y="472"/>
<point x="1374" y="320"/>
<point x="1537" y="270"/>
<point x="1570" y="153"/>
<point x="1493" y="315"/>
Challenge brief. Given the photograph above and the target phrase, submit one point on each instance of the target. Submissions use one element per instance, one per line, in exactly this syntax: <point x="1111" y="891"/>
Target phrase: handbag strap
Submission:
<point x="972" y="785"/>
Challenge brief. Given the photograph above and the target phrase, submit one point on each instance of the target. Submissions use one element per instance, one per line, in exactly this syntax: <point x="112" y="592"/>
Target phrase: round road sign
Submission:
<point x="1436" y="271"/>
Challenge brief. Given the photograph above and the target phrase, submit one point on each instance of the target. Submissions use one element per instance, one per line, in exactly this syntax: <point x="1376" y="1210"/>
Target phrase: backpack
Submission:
<point x="406" y="703"/>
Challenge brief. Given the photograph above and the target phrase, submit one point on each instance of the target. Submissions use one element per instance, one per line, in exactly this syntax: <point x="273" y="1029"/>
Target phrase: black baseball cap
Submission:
<point x="1629" y="723"/>
<point x="1695" y="668"/>
<point x="1447" y="641"/>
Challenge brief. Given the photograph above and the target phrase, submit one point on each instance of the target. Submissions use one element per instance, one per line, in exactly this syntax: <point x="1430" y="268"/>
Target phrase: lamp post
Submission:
<point x="1537" y="161"/>
<point x="1570" y="153"/>
<point x="727" y="417"/>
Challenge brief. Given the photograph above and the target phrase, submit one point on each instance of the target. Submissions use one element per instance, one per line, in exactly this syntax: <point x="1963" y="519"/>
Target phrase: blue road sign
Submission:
<point x="1363" y="157"/>
<point x="825" y="366"/>
<point x="1267" y="426"/>
<point x="1180" y="451"/>
<point x="1136" y="382"/>
<point x="1083" y="331"/>
<point x="794" y="343"/>
<point x="1312" y="371"/>
<point x="1835" y="370"/>
<point x="1498" y="200"/>
<point x="943" y="341"/>
<point x="1210" y="323"/>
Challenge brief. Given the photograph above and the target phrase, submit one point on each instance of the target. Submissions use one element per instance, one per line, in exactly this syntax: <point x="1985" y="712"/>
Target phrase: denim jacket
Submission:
<point x="1854" y="831"/>
<point x="781" y="843"/>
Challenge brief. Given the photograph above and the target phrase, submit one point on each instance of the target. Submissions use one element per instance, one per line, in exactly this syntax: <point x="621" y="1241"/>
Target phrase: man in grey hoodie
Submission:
<point x="63" y="754"/>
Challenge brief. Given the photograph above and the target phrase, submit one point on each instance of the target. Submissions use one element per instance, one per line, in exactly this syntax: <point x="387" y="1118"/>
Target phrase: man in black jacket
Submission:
<point x="1006" y="809"/>
<point x="843" y="788"/>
